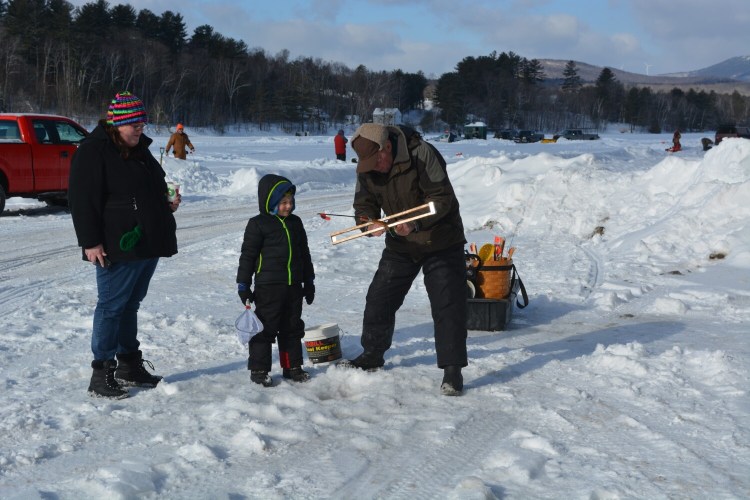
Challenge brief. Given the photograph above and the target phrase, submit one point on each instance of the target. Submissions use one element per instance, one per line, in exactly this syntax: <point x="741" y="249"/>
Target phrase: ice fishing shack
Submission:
<point x="476" y="130"/>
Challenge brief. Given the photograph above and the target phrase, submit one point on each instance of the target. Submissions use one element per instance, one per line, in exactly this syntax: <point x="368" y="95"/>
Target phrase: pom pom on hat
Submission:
<point x="126" y="109"/>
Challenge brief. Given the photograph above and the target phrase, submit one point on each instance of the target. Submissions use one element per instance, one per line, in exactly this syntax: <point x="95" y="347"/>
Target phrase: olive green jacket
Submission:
<point x="419" y="175"/>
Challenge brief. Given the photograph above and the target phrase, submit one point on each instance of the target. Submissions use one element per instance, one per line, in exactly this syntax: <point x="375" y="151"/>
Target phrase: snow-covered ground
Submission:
<point x="625" y="377"/>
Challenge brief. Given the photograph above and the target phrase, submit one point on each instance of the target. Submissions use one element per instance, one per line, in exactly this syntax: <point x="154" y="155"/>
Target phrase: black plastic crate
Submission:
<point x="489" y="314"/>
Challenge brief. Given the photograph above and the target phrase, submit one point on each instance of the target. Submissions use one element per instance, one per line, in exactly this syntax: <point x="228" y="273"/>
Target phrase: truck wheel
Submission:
<point x="2" y="199"/>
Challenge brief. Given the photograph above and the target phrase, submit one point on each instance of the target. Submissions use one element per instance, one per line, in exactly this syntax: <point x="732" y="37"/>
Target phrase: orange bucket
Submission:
<point x="493" y="279"/>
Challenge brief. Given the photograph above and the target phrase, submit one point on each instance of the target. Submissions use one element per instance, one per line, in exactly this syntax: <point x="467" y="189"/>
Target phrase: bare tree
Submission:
<point x="231" y="75"/>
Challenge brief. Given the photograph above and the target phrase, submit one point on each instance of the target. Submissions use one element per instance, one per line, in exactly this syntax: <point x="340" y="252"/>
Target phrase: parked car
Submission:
<point x="35" y="155"/>
<point x="725" y="131"/>
<point x="528" y="136"/>
<point x="577" y="134"/>
<point x="507" y="134"/>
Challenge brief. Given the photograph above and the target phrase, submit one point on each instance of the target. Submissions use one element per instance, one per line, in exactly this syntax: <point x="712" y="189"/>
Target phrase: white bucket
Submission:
<point x="323" y="343"/>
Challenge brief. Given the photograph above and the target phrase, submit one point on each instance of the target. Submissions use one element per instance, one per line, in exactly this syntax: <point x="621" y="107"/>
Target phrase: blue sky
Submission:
<point x="641" y="36"/>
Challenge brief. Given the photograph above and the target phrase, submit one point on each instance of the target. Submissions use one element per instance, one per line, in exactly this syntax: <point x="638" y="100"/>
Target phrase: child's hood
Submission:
<point x="271" y="189"/>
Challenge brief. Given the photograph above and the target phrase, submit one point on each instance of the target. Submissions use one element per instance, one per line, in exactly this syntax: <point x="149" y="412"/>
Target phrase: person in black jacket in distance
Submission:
<point x="276" y="253"/>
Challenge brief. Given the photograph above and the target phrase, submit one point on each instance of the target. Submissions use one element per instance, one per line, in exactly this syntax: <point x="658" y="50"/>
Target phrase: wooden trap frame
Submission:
<point x="386" y="222"/>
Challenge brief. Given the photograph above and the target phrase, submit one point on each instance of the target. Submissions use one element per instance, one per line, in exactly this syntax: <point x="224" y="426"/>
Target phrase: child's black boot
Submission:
<point x="296" y="374"/>
<point x="259" y="363"/>
<point x="261" y="377"/>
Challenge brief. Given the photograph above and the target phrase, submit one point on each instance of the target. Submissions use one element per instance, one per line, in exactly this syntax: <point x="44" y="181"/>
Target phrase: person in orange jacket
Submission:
<point x="339" y="145"/>
<point x="180" y="142"/>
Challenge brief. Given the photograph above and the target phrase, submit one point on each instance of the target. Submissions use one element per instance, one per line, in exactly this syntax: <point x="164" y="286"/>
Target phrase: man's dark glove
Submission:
<point x="243" y="290"/>
<point x="309" y="291"/>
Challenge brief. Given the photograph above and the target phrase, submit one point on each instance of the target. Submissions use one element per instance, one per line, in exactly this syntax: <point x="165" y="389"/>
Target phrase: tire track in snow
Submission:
<point x="459" y="455"/>
<point x="36" y="249"/>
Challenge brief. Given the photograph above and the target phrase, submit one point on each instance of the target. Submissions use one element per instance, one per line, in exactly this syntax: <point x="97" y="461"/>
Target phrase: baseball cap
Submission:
<point x="366" y="142"/>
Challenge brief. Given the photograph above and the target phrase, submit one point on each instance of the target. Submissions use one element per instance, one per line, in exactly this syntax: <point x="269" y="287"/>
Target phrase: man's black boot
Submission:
<point x="453" y="381"/>
<point x="369" y="361"/>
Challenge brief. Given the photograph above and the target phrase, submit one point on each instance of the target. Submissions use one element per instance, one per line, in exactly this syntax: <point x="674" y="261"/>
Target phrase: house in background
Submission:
<point x="386" y="116"/>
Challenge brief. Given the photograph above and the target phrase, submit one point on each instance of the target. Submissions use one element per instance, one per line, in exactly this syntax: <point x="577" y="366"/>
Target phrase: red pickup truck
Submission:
<point x="35" y="155"/>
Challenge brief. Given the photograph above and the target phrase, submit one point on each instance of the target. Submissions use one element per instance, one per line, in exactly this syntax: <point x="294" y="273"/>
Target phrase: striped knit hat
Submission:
<point x="126" y="109"/>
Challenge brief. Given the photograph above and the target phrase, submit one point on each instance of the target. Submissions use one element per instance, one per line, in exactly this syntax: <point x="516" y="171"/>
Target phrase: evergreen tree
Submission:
<point x="450" y="94"/>
<point x="532" y="72"/>
<point x="203" y="37"/>
<point x="172" y="31"/>
<point x="147" y="23"/>
<point x="59" y="19"/>
<point x="610" y="94"/>
<point x="414" y="85"/>
<point x="605" y="80"/>
<point x="123" y="16"/>
<point x="93" y="22"/>
<point x="25" y="19"/>
<point x="739" y="107"/>
<point x="571" y="81"/>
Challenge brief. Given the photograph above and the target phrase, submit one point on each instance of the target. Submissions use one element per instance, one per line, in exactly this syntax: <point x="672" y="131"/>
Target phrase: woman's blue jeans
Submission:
<point x="121" y="287"/>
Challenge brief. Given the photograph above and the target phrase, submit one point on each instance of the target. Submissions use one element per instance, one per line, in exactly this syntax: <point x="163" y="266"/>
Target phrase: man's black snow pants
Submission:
<point x="445" y="280"/>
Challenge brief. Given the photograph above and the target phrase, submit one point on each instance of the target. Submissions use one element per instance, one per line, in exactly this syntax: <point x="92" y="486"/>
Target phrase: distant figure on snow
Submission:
<point x="706" y="143"/>
<point x="676" y="146"/>
<point x="339" y="144"/>
<point x="180" y="141"/>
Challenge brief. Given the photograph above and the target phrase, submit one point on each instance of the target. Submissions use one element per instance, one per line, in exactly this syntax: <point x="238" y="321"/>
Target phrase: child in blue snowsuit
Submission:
<point x="275" y="251"/>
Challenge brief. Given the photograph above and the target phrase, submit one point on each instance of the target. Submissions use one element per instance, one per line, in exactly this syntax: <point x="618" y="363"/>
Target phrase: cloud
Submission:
<point x="324" y="9"/>
<point x="434" y="35"/>
<point x="378" y="45"/>
<point x="694" y="33"/>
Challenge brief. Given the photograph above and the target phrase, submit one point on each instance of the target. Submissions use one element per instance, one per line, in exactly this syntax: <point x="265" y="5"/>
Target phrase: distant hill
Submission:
<point x="735" y="68"/>
<point x="725" y="77"/>
<point x="553" y="69"/>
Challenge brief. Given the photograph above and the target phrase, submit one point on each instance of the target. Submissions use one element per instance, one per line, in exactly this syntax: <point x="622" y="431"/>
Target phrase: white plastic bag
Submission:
<point x="247" y="325"/>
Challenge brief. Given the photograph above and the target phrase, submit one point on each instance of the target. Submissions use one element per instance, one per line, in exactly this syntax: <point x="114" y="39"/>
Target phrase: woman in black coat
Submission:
<point x="124" y="223"/>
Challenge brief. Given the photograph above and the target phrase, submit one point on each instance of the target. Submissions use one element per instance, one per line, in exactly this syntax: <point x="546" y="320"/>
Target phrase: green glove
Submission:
<point x="130" y="239"/>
